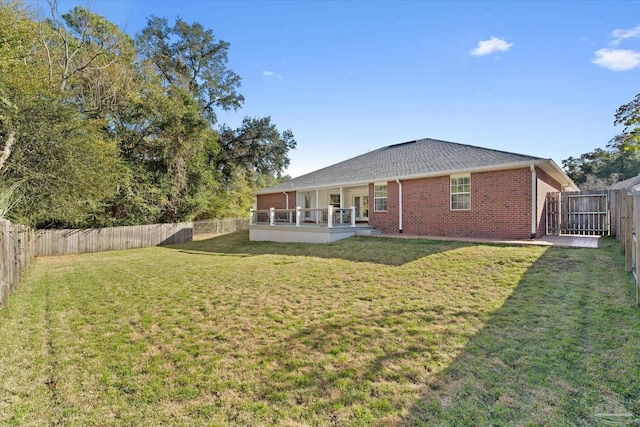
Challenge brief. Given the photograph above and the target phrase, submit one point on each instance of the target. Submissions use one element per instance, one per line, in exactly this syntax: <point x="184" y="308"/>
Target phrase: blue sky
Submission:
<point x="539" y="78"/>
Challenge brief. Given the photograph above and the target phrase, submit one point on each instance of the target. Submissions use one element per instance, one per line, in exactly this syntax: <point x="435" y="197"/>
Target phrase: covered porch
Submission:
<point x="319" y="215"/>
<point x="356" y="197"/>
<point x="321" y="225"/>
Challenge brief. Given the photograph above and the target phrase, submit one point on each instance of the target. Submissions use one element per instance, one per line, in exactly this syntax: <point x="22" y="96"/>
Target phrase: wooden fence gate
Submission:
<point x="578" y="213"/>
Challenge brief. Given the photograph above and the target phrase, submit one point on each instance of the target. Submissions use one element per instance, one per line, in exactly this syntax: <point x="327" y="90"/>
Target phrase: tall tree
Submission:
<point x="255" y="148"/>
<point x="63" y="162"/>
<point x="100" y="129"/>
<point x="190" y="57"/>
<point x="628" y="116"/>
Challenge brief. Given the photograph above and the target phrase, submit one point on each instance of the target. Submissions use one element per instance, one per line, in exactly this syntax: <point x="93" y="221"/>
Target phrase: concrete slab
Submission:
<point x="560" y="241"/>
<point x="572" y="241"/>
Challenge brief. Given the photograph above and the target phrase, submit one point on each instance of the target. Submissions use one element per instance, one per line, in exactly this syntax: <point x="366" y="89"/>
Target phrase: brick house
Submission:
<point x="424" y="187"/>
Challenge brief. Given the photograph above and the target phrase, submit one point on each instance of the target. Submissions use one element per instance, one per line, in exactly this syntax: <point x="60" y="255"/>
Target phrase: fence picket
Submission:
<point x="16" y="253"/>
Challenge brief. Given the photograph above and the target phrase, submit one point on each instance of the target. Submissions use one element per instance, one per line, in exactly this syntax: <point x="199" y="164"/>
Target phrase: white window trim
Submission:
<point x="451" y="193"/>
<point x="380" y="184"/>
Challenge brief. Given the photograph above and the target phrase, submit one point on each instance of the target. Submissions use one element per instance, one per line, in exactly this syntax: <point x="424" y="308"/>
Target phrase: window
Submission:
<point x="380" y="198"/>
<point x="334" y="200"/>
<point x="460" y="192"/>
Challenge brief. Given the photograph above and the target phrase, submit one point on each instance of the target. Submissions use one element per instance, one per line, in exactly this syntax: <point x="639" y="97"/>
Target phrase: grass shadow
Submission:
<point x="378" y="250"/>
<point x="562" y="350"/>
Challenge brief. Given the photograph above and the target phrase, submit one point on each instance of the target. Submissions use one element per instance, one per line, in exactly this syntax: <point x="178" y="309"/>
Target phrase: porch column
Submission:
<point x="329" y="216"/>
<point x="250" y="216"/>
<point x="353" y="216"/>
<point x="272" y="216"/>
<point x="318" y="213"/>
<point x="298" y="216"/>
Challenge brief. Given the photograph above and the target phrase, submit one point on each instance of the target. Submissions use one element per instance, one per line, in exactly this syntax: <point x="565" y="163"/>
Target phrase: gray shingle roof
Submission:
<point x="413" y="158"/>
<point x="626" y="184"/>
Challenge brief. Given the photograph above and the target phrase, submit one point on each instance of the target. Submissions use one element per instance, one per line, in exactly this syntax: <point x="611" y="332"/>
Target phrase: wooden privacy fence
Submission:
<point x="220" y="226"/>
<point x="625" y="214"/>
<point x="16" y="253"/>
<point x="79" y="241"/>
<point x="583" y="213"/>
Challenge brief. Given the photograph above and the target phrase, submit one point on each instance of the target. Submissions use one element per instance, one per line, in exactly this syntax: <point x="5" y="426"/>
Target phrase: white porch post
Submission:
<point x="250" y="216"/>
<point x="329" y="216"/>
<point x="318" y="216"/>
<point x="298" y="216"/>
<point x="353" y="216"/>
<point x="272" y="216"/>
<point x="341" y="206"/>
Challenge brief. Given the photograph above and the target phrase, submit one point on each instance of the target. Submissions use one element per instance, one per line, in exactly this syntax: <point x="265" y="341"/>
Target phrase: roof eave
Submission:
<point x="555" y="172"/>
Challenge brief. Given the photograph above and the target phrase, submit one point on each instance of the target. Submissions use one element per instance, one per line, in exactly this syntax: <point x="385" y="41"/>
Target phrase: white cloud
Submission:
<point x="616" y="59"/>
<point x="620" y="35"/>
<point x="493" y="45"/>
<point x="268" y="73"/>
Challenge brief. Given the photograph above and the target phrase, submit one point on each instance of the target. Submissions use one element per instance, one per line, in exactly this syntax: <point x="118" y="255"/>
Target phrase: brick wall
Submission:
<point x="500" y="207"/>
<point x="545" y="184"/>
<point x="387" y="222"/>
<point x="276" y="200"/>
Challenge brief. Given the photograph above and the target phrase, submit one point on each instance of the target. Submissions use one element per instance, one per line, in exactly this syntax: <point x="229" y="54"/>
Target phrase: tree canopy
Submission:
<point x="621" y="158"/>
<point x="99" y="128"/>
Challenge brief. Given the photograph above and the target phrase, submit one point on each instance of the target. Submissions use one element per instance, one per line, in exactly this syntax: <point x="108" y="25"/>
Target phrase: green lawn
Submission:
<point x="364" y="331"/>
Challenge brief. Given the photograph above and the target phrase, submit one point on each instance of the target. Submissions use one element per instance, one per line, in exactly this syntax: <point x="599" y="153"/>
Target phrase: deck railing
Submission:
<point x="315" y="217"/>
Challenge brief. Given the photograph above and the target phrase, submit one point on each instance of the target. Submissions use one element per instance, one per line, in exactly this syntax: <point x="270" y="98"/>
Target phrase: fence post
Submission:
<point x="298" y="213"/>
<point x="628" y="235"/>
<point x="272" y="216"/>
<point x="353" y="216"/>
<point x="330" y="216"/>
<point x="623" y="219"/>
<point x="4" y="250"/>
<point x="636" y="215"/>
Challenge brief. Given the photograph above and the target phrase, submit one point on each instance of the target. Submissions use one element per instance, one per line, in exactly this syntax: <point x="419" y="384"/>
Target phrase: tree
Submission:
<point x="65" y="167"/>
<point x="190" y="57"/>
<point x="100" y="129"/>
<point x="255" y="148"/>
<point x="609" y="165"/>
<point x="223" y="165"/>
<point x="7" y="132"/>
<point x="628" y="116"/>
<point x="60" y="157"/>
<point x="621" y="158"/>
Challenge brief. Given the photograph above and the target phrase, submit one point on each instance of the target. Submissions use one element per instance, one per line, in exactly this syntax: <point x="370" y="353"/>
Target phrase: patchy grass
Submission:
<point x="360" y="332"/>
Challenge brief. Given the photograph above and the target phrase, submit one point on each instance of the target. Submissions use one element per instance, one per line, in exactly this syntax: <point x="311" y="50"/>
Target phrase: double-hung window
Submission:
<point x="461" y="192"/>
<point x="380" y="197"/>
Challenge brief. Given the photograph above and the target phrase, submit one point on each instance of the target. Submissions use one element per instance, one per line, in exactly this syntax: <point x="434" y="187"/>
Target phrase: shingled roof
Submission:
<point x="411" y="159"/>
<point x="626" y="184"/>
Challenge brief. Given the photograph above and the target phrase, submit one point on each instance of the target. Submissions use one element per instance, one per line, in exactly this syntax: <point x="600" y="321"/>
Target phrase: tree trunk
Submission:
<point x="7" y="149"/>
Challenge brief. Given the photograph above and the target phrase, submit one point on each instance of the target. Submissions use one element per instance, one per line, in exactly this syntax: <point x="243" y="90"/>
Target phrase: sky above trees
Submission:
<point x="541" y="78"/>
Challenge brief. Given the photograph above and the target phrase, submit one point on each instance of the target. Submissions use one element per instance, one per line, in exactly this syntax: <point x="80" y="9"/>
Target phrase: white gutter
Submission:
<point x="534" y="200"/>
<point x="399" y="205"/>
<point x="287" y="202"/>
